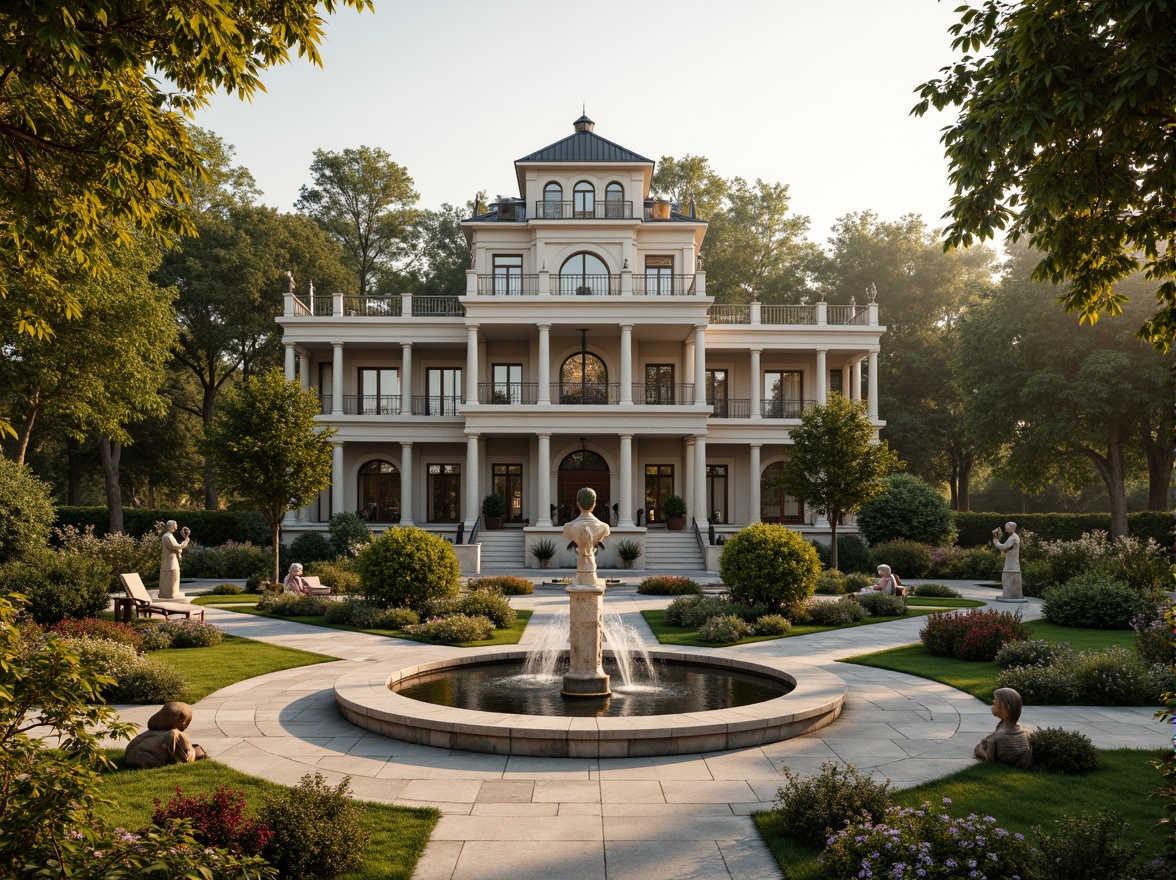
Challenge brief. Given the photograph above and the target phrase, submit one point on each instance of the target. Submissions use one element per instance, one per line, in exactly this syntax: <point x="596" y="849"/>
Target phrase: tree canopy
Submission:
<point x="1067" y="135"/>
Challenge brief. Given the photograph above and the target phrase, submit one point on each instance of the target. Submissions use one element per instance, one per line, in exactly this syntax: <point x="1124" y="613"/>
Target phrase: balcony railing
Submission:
<point x="725" y="313"/>
<point x="604" y="210"/>
<point x="508" y="394"/>
<point x="427" y="405"/>
<point x="663" y="285"/>
<point x="325" y="404"/>
<point x="509" y="285"/>
<point x="586" y="393"/>
<point x="437" y="306"/>
<point x="391" y="306"/>
<point x="372" y="306"/>
<point x="789" y="315"/>
<point x="681" y="394"/>
<point x="785" y="409"/>
<point x="792" y="315"/>
<point x="589" y="285"/>
<point x="371" y="404"/>
<point x="728" y="408"/>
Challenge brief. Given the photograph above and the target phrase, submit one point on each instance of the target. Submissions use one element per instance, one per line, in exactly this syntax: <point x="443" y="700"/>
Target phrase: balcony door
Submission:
<point x="444" y="391"/>
<point x="716" y="393"/>
<point x="508" y="383"/>
<point x="379" y="391"/>
<point x="659" y="383"/>
<point x="783" y="398"/>
<point x="584" y="274"/>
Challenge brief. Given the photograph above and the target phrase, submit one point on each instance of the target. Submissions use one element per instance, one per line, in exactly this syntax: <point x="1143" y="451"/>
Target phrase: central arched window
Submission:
<point x="584" y="199"/>
<point x="552" y="201"/>
<point x="583" y="378"/>
<point x="584" y="274"/>
<point x="379" y="492"/>
<point x="614" y="201"/>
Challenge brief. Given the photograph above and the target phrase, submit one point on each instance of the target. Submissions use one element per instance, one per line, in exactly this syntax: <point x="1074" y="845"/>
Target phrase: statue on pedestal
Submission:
<point x="587" y="532"/>
<point x="1011" y="576"/>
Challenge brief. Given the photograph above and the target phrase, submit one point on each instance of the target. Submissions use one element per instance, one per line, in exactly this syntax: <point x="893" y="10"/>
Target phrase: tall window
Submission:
<point x="659" y="383"/>
<point x="584" y="199"/>
<point x="716" y="393"/>
<point x="508" y="274"/>
<point x="444" y="391"/>
<point x="508" y="482"/>
<point x="553" y="201"/>
<point x="584" y="274"/>
<point x="716" y="492"/>
<point x="379" y="391"/>
<point x="659" y="485"/>
<point x="379" y="492"/>
<point x="444" y="492"/>
<point x="782" y="394"/>
<point x="508" y="383"/>
<point x="614" y="201"/>
<point x="326" y="383"/>
<point x="835" y="382"/>
<point x="775" y="506"/>
<point x="659" y="276"/>
<point x="583" y="378"/>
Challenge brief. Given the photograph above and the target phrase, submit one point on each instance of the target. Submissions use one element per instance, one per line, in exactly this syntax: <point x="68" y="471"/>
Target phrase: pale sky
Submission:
<point x="815" y="94"/>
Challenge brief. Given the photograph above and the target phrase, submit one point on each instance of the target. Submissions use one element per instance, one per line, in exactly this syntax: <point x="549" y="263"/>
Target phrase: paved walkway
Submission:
<point x="682" y="817"/>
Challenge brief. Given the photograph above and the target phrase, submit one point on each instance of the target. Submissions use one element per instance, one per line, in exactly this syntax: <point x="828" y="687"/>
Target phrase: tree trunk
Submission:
<point x="277" y="547"/>
<point x="208" y="411"/>
<point x="963" y="494"/>
<point x="1159" y="466"/>
<point x="953" y="484"/>
<point x="73" y="470"/>
<point x="1110" y="468"/>
<point x="833" y="517"/>
<point x="22" y="438"/>
<point x="111" y="453"/>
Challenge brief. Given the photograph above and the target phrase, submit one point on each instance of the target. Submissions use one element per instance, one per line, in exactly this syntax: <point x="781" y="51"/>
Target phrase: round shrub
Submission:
<point x="149" y="681"/>
<point x="773" y="625"/>
<point x="339" y="575"/>
<point x="671" y="585"/>
<point x="821" y="612"/>
<point x="26" y="513"/>
<point x="311" y="547"/>
<point x="830" y="582"/>
<point x="58" y="586"/>
<point x="318" y="832"/>
<point x="724" y="630"/>
<point x="485" y="604"/>
<point x="349" y="533"/>
<point x="193" y="634"/>
<point x="1031" y="652"/>
<point x="395" y="618"/>
<point x="1114" y="676"/>
<point x="856" y="582"/>
<point x="971" y="635"/>
<point x="938" y="591"/>
<point x="1092" y="601"/>
<point x="226" y="590"/>
<point x="156" y="636"/>
<point x="694" y="611"/>
<point x="809" y="808"/>
<point x="99" y="629"/>
<point x="407" y="566"/>
<point x="1041" y="684"/>
<point x="881" y="605"/>
<point x="507" y="584"/>
<point x="342" y="613"/>
<point x="454" y="629"/>
<point x="1063" y="751"/>
<point x="217" y="820"/>
<point x="852" y="553"/>
<point x="767" y="564"/>
<point x="908" y="510"/>
<point x="907" y="559"/>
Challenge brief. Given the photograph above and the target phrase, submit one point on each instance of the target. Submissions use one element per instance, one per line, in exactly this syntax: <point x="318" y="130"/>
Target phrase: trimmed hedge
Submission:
<point x="209" y="527"/>
<point x="975" y="529"/>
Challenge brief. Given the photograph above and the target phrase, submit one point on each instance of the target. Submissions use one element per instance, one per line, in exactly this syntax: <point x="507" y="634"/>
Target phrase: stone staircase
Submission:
<point x="502" y="551"/>
<point x="670" y="551"/>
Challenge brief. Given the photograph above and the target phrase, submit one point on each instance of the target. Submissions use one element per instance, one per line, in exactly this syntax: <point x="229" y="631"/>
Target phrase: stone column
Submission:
<point x="625" y="508"/>
<point x="757" y="384"/>
<point x="846" y="381"/>
<point x="626" y="365"/>
<point x="471" y="389"/>
<point x="337" y="379"/>
<point x="700" y="482"/>
<point x="291" y="359"/>
<point x="337" y="500"/>
<point x="473" y="504"/>
<point x="688" y="475"/>
<point x="700" y="363"/>
<point x="872" y="381"/>
<point x="406" y="378"/>
<point x="543" y="480"/>
<point x="407" y="475"/>
<point x="822" y="378"/>
<point x="855" y="384"/>
<point x="754" y="493"/>
<point x="544" y="364"/>
<point x="586" y="676"/>
<point x="304" y="370"/>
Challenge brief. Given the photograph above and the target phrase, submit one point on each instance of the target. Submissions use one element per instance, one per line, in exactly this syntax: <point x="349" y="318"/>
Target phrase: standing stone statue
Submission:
<point x="586" y="531"/>
<point x="1011" y="576"/>
<point x="169" y="570"/>
<point x="586" y="676"/>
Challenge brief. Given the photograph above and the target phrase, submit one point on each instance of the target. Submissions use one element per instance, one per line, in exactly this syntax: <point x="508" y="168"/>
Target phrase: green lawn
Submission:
<point x="508" y="636"/>
<point x="235" y="659"/>
<point x="1018" y="800"/>
<point x="979" y="678"/>
<point x="937" y="603"/>
<point x="235" y="599"/>
<point x="399" y="834"/>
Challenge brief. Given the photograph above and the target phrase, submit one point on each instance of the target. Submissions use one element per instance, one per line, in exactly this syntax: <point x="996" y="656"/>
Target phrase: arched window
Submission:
<point x="584" y="274"/>
<point x="583" y="378"/>
<point x="614" y="201"/>
<point x="584" y="199"/>
<point x="775" y="506"/>
<point x="379" y="492"/>
<point x="552" y="201"/>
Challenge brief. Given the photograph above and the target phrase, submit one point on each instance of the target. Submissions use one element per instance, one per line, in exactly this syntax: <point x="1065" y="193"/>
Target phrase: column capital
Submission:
<point x="625" y="436"/>
<point x="699" y="327"/>
<point x="755" y="445"/>
<point x="628" y="325"/>
<point x="472" y="326"/>
<point x="543" y="436"/>
<point x="472" y="435"/>
<point x="406" y="345"/>
<point x="543" y="326"/>
<point x="336" y="444"/>
<point x="405" y="444"/>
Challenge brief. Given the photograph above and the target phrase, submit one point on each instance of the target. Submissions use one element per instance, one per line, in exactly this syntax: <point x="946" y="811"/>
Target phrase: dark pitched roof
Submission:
<point x="585" y="146"/>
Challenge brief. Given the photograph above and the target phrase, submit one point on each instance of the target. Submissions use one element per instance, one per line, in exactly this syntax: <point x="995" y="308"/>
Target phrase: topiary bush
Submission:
<point x="694" y="610"/>
<point x="669" y="585"/>
<point x="318" y="831"/>
<point x="769" y="565"/>
<point x="310" y="547"/>
<point x="506" y="584"/>
<point x="193" y="634"/>
<point x="830" y="582"/>
<point x="938" y="591"/>
<point x="57" y="585"/>
<point x="909" y="510"/>
<point x="852" y="553"/>
<point x="772" y="625"/>
<point x="217" y="820"/>
<point x="821" y="612"/>
<point x="407" y="566"/>
<point x="454" y="629"/>
<point x="881" y="605"/>
<point x="977" y="634"/>
<point x="1032" y="652"/>
<point x="349" y="533"/>
<point x="1093" y="601"/>
<point x="855" y="582"/>
<point x="810" y="808"/>
<point x="1063" y="751"/>
<point x="26" y="513"/>
<point x="723" y="630"/>
<point x="907" y="559"/>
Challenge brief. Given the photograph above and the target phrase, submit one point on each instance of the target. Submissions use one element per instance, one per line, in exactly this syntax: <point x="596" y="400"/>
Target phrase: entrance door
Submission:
<point x="508" y="482"/>
<point x="444" y="492"/>
<point x="659" y="485"/>
<point x="583" y="470"/>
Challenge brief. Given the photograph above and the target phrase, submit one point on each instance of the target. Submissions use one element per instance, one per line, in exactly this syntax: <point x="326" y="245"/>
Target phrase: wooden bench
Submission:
<point x="145" y="606"/>
<point x="315" y="587"/>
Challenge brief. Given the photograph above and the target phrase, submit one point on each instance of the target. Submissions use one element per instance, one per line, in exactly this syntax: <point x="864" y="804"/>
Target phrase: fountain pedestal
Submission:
<point x="586" y="677"/>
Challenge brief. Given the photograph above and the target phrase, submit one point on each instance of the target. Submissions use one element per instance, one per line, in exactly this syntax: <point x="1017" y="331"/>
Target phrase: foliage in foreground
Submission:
<point x="812" y="807"/>
<point x="318" y="833"/>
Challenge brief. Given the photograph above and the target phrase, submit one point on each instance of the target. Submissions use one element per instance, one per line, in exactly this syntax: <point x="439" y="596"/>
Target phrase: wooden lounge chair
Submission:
<point x="315" y="586"/>
<point x="145" y="606"/>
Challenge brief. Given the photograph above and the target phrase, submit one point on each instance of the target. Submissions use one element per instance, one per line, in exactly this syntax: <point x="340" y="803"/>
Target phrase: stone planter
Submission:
<point x="493" y="523"/>
<point x="675" y="523"/>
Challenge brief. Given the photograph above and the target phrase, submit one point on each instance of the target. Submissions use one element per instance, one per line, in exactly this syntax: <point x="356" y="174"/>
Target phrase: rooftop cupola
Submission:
<point x="584" y="124"/>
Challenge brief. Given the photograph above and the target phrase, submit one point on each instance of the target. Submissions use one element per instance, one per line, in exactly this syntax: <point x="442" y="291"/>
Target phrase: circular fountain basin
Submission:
<point x="814" y="699"/>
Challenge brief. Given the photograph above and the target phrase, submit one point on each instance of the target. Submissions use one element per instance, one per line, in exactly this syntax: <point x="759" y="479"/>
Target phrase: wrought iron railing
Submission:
<point x="663" y="285"/>
<point x="844" y="314"/>
<point x="426" y="405"/>
<point x="589" y="285"/>
<point x="608" y="209"/>
<point x="373" y="306"/>
<point x="508" y="393"/>
<point x="437" y="307"/>
<point x="785" y="409"/>
<point x="371" y="404"/>
<point x="788" y="314"/>
<point x="585" y="393"/>
<point x="730" y="408"/>
<point x="325" y="403"/>
<point x="322" y="304"/>
<point x="508" y="285"/>
<point x="727" y="313"/>
<point x="653" y="394"/>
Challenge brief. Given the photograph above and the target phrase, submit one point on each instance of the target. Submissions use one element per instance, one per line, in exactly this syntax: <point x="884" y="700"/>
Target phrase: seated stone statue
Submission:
<point x="1009" y="743"/>
<point x="164" y="741"/>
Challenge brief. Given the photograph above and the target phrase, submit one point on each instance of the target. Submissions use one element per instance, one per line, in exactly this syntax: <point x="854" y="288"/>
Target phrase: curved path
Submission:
<point x="682" y="817"/>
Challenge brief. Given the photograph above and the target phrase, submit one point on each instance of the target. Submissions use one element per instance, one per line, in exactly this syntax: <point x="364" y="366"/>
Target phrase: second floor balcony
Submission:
<point x="389" y="306"/>
<point x="617" y="284"/>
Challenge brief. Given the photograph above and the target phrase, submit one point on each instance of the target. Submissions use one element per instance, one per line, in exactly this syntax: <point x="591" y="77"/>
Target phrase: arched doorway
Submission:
<point x="578" y="470"/>
<point x="379" y="492"/>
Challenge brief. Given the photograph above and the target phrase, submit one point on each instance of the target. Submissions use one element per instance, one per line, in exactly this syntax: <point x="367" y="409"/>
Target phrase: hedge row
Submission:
<point x="976" y="528"/>
<point x="210" y="528"/>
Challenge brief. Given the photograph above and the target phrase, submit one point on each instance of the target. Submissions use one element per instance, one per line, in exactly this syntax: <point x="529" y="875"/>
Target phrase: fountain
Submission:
<point x="505" y="702"/>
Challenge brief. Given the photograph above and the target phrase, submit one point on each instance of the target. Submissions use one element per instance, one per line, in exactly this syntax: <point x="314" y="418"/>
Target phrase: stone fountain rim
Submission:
<point x="364" y="698"/>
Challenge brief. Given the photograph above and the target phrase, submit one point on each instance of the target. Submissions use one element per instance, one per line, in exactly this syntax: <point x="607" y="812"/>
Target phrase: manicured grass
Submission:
<point x="936" y="602"/>
<point x="1018" y="800"/>
<point x="235" y="659"/>
<point x="399" y="834"/>
<point x="681" y="635"/>
<point x="508" y="636"/>
<point x="234" y="599"/>
<point x="978" y="678"/>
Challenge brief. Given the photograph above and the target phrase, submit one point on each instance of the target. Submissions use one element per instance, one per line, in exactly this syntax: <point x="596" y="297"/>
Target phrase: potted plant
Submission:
<point x="493" y="511"/>
<point x="629" y="551"/>
<point x="674" y="510"/>
<point x="543" y="551"/>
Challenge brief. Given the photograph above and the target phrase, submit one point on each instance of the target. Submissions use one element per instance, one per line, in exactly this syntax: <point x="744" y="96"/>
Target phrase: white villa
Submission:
<point x="584" y="351"/>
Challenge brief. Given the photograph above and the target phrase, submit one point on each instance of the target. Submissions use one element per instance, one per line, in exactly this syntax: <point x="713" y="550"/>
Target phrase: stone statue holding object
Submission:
<point x="1011" y="576"/>
<point x="586" y="532"/>
<point x="169" y="569"/>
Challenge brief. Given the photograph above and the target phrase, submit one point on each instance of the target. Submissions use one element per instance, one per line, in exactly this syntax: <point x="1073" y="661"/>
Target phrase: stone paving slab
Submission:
<point x="606" y="819"/>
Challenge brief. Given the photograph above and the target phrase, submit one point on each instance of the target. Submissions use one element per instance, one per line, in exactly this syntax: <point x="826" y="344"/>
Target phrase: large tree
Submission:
<point x="366" y="202"/>
<point x="93" y="98"/>
<point x="1067" y="135"/>
<point x="1041" y="392"/>
<point x="834" y="465"/>
<point x="269" y="449"/>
